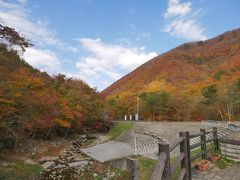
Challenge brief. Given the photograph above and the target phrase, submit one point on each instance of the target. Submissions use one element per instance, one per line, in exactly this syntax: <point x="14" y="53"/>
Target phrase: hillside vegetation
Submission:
<point x="34" y="104"/>
<point x="176" y="85"/>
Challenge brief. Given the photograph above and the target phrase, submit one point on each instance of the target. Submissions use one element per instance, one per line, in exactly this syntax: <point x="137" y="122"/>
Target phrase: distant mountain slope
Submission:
<point x="185" y="69"/>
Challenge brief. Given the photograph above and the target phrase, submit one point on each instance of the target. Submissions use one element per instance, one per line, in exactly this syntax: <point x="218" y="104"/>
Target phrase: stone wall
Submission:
<point x="230" y="151"/>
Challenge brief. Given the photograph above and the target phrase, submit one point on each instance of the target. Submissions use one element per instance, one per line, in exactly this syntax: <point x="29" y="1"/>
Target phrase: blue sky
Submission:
<point x="99" y="41"/>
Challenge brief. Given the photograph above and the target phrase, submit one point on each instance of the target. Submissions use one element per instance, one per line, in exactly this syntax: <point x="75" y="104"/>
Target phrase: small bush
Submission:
<point x="223" y="162"/>
<point x="218" y="75"/>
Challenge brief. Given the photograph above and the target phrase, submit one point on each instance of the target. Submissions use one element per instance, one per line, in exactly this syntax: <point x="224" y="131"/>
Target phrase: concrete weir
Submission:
<point x="128" y="164"/>
<point x="108" y="151"/>
<point x="115" y="154"/>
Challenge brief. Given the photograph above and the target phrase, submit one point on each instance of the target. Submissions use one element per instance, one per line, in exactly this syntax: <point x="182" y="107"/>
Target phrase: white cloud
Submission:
<point x="110" y="61"/>
<point x="181" y="22"/>
<point x="176" y="8"/>
<point x="143" y="36"/>
<point x="16" y="15"/>
<point x="125" y="58"/>
<point x="22" y="1"/>
<point x="186" y="28"/>
<point x="44" y="59"/>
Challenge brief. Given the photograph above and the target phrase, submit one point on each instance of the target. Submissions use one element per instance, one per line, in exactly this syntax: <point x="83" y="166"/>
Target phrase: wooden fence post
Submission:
<point x="185" y="148"/>
<point x="164" y="147"/>
<point x="203" y="143"/>
<point x="215" y="139"/>
<point x="189" y="156"/>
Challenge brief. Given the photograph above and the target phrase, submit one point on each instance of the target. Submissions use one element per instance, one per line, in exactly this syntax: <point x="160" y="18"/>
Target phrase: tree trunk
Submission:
<point x="221" y="114"/>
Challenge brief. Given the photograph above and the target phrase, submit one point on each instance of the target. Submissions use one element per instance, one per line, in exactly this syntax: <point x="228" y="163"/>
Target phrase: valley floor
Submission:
<point x="24" y="162"/>
<point x="55" y="159"/>
<point x="63" y="159"/>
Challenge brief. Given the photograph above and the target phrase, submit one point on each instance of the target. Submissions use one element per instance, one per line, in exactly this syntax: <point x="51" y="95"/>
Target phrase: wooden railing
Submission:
<point x="166" y="170"/>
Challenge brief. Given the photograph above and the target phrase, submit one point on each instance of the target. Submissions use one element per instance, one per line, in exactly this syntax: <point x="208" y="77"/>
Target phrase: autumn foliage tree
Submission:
<point x="156" y="104"/>
<point x="34" y="104"/>
<point x="12" y="39"/>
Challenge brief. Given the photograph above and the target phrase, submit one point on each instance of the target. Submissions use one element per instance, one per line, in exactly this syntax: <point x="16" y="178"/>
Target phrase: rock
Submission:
<point x="47" y="158"/>
<point x="29" y="161"/>
<point x="112" y="174"/>
<point x="5" y="164"/>
<point x="74" y="164"/>
<point x="47" y="164"/>
<point x="83" y="136"/>
<point x="95" y="175"/>
<point x="69" y="158"/>
<point x="92" y="136"/>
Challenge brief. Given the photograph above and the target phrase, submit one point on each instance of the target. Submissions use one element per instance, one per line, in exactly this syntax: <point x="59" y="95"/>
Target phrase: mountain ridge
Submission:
<point x="190" y="64"/>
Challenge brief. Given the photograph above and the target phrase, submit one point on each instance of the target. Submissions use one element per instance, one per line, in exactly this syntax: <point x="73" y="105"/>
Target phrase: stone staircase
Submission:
<point x="145" y="144"/>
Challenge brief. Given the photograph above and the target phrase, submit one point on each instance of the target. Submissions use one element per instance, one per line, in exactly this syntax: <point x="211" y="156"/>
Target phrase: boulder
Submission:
<point x="29" y="161"/>
<point x="47" y="164"/>
<point x="74" y="164"/>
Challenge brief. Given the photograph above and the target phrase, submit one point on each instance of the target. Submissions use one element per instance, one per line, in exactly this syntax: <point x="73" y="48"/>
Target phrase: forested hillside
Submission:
<point x="193" y="81"/>
<point x="34" y="104"/>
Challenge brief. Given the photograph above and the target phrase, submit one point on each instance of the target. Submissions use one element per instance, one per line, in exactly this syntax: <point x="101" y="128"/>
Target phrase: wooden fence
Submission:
<point x="166" y="170"/>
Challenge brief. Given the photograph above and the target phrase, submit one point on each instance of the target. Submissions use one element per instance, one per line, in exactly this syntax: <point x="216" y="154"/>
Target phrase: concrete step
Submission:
<point x="145" y="143"/>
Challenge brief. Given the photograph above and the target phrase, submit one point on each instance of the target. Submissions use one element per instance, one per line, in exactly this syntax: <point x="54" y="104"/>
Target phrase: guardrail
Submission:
<point x="165" y="170"/>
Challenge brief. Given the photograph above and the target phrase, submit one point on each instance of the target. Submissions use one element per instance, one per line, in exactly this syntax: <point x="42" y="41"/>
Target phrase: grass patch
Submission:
<point x="33" y="169"/>
<point x="19" y="170"/>
<point x="196" y="151"/>
<point x="118" y="129"/>
<point x="223" y="162"/>
<point x="103" y="171"/>
<point x="146" y="167"/>
<point x="177" y="171"/>
<point x="89" y="142"/>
